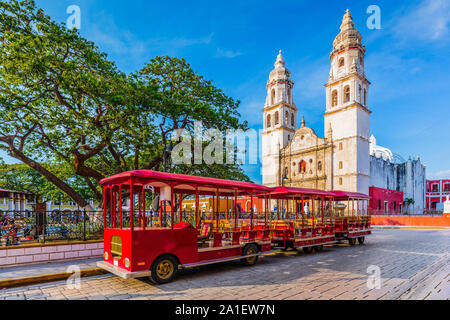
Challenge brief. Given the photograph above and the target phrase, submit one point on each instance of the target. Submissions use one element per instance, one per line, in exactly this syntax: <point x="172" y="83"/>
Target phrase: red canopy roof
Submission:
<point x="280" y="192"/>
<point x="142" y="175"/>
<point x="344" y="195"/>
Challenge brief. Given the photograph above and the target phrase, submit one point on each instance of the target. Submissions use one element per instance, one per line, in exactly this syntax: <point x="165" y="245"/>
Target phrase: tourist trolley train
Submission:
<point x="148" y="233"/>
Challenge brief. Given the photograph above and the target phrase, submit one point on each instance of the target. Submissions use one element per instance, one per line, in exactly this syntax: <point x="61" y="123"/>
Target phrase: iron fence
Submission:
<point x="20" y="227"/>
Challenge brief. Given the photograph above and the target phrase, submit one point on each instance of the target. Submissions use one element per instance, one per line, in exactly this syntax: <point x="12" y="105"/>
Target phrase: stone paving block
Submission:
<point x="7" y="261"/>
<point x="49" y="249"/>
<point x="15" y="252"/>
<point x="77" y="247"/>
<point x="71" y="254"/>
<point x="24" y="259"/>
<point x="41" y="257"/>
<point x="34" y="250"/>
<point x="64" y="248"/>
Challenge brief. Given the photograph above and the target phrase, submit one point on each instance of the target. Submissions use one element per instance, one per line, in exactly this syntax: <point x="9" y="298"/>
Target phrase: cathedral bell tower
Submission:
<point x="280" y="121"/>
<point x="347" y="110"/>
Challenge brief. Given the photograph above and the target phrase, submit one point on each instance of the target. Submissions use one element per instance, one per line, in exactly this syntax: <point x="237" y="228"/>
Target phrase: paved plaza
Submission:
<point x="414" y="264"/>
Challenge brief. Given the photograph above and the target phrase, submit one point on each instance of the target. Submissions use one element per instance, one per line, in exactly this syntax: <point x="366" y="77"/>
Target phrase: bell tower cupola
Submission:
<point x="347" y="113"/>
<point x="280" y="118"/>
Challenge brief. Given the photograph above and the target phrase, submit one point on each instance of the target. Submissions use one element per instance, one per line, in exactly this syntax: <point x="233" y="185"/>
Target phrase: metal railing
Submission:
<point x="21" y="227"/>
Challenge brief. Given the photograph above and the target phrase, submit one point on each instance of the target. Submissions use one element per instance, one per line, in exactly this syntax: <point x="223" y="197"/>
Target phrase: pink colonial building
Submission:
<point x="437" y="191"/>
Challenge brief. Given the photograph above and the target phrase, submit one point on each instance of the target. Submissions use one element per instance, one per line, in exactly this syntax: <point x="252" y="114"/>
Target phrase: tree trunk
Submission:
<point x="75" y="196"/>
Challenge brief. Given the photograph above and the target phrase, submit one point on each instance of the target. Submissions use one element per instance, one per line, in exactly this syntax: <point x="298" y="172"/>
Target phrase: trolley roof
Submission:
<point x="183" y="182"/>
<point x="282" y="192"/>
<point x="344" y="195"/>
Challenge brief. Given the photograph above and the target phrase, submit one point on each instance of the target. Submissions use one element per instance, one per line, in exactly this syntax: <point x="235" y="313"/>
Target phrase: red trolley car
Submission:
<point x="352" y="221"/>
<point x="147" y="232"/>
<point x="304" y="219"/>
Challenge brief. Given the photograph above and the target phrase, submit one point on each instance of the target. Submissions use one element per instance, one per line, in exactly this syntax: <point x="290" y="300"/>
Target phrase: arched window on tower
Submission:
<point x="289" y="96"/>
<point x="277" y="118"/>
<point x="365" y="97"/>
<point x="346" y="94"/>
<point x="359" y="93"/>
<point x="334" y="98"/>
<point x="269" y="122"/>
<point x="302" y="166"/>
<point x="286" y="118"/>
<point x="272" y="97"/>
<point x="341" y="62"/>
<point x="292" y="119"/>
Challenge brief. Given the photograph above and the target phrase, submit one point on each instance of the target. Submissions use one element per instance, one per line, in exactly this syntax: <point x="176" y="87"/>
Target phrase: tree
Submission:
<point x="63" y="102"/>
<point x="20" y="177"/>
<point x="408" y="202"/>
<point x="187" y="97"/>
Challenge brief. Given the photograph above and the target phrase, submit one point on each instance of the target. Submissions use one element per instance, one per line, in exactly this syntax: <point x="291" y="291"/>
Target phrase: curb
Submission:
<point x="49" y="277"/>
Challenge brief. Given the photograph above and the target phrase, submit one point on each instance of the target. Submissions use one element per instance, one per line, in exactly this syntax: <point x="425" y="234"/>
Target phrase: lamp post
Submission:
<point x="166" y="153"/>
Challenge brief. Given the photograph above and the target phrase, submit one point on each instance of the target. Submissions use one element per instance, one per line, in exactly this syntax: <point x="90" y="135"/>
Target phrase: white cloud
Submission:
<point x="444" y="174"/>
<point x="111" y="38"/>
<point x="227" y="53"/>
<point x="429" y="22"/>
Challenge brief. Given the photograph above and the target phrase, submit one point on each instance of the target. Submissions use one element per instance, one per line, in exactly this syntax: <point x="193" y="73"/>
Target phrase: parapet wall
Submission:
<point x="41" y="253"/>
<point x="412" y="221"/>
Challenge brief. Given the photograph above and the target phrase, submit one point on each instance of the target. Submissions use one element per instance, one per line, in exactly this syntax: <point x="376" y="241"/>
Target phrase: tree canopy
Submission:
<point x="69" y="112"/>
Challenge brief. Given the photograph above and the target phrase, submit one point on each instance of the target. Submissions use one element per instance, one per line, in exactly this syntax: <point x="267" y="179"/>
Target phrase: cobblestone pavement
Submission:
<point x="414" y="264"/>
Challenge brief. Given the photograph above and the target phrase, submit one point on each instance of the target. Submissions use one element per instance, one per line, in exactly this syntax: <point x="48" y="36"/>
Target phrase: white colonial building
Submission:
<point x="345" y="159"/>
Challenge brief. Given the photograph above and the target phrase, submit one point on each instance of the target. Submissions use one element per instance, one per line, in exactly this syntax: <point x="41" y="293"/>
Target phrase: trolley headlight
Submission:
<point x="127" y="262"/>
<point x="106" y="255"/>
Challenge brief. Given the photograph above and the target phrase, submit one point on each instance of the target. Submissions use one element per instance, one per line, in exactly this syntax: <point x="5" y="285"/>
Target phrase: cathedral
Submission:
<point x="347" y="158"/>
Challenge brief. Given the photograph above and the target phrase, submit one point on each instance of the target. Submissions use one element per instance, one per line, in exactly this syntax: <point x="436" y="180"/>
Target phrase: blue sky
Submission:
<point x="235" y="43"/>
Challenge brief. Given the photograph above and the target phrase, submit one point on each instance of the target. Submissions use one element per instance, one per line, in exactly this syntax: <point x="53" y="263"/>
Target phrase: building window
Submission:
<point x="289" y="96"/>
<point x="447" y="187"/>
<point x="340" y="181"/>
<point x="341" y="146"/>
<point x="273" y="97"/>
<point x="395" y="206"/>
<point x="341" y="165"/>
<point x="435" y="188"/>
<point x="341" y="62"/>
<point x="292" y="119"/>
<point x="359" y="93"/>
<point x="365" y="97"/>
<point x="277" y="118"/>
<point x="302" y="166"/>
<point x="334" y="98"/>
<point x="319" y="166"/>
<point x="286" y="118"/>
<point x="268" y="121"/>
<point x="346" y="94"/>
<point x="285" y="174"/>
<point x="379" y="204"/>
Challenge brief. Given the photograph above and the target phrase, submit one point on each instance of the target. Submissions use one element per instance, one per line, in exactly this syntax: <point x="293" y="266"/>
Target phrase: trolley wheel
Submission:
<point x="361" y="240"/>
<point x="318" y="248"/>
<point x="249" y="250"/>
<point x="352" y="241"/>
<point x="307" y="249"/>
<point x="164" y="269"/>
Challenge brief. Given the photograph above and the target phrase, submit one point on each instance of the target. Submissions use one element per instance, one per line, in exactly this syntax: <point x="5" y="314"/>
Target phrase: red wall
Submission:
<point x="379" y="196"/>
<point x="436" y="196"/>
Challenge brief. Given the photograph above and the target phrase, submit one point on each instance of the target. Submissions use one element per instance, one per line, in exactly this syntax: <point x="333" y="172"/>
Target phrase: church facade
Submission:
<point x="343" y="159"/>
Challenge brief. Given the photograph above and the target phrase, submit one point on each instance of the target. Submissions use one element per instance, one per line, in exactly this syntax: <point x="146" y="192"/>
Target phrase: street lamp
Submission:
<point x="166" y="153"/>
